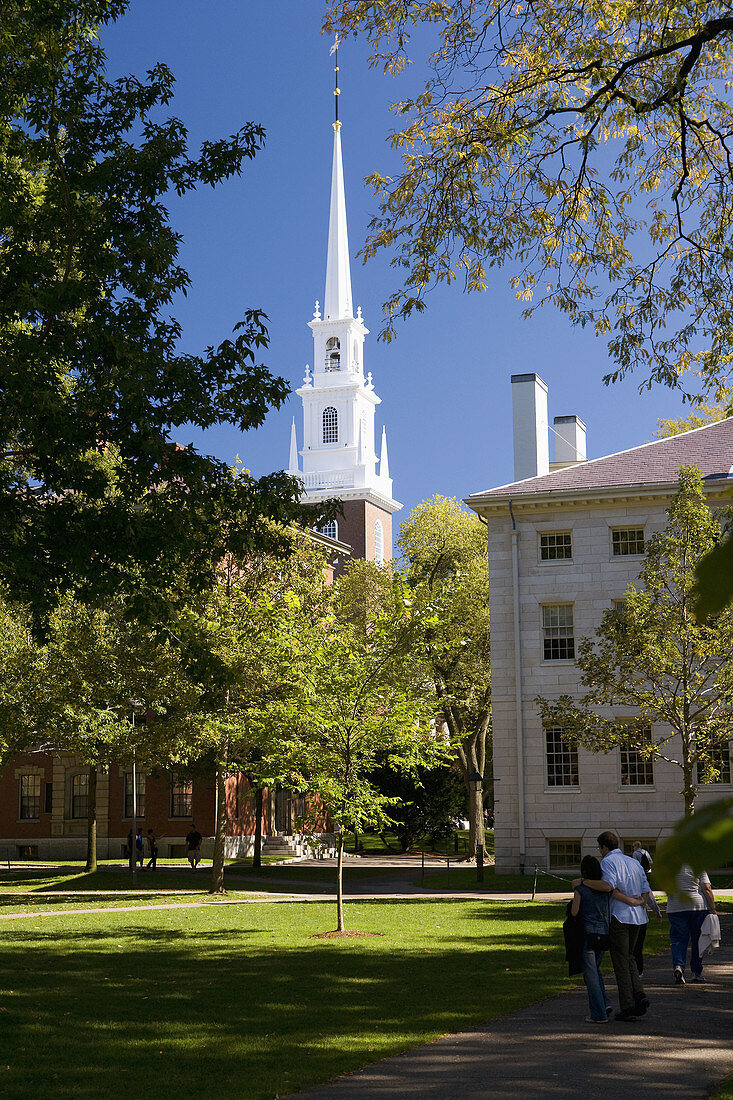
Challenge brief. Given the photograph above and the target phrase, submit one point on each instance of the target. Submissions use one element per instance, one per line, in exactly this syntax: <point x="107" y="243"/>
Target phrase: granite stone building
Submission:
<point x="564" y="541"/>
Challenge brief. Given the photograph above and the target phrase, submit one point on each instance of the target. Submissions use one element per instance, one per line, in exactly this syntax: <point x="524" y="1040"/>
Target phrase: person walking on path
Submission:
<point x="625" y="874"/>
<point x="139" y="852"/>
<point x="643" y="857"/>
<point x="591" y="897"/>
<point x="152" y="850"/>
<point x="193" y="843"/>
<point x="687" y="908"/>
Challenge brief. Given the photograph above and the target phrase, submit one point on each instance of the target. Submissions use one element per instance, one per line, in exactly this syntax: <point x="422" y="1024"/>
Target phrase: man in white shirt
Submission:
<point x="627" y="875"/>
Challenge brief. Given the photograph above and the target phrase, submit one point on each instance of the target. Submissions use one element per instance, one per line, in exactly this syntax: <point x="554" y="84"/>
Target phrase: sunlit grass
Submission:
<point x="242" y="1000"/>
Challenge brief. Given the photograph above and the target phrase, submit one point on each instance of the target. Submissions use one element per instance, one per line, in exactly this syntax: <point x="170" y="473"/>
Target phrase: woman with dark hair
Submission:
<point x="592" y="903"/>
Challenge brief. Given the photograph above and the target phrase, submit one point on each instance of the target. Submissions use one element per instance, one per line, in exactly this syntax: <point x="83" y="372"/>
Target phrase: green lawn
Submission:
<point x="243" y="1000"/>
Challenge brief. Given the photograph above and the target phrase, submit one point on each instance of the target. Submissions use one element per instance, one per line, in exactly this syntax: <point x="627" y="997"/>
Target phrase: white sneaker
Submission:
<point x="590" y="1020"/>
<point x="679" y="977"/>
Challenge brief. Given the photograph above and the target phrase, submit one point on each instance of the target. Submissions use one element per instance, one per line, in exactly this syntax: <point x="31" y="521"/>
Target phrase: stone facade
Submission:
<point x="537" y="821"/>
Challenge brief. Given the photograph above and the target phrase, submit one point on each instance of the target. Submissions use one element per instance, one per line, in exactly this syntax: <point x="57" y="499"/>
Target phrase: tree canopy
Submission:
<point x="446" y="567"/>
<point x="586" y="146"/>
<point x="94" y="378"/>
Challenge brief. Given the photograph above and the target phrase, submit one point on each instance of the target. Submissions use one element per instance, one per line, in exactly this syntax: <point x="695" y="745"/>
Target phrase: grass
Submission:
<point x="241" y="999"/>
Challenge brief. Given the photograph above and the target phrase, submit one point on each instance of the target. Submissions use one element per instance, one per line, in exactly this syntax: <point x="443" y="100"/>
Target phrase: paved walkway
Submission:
<point x="678" y="1051"/>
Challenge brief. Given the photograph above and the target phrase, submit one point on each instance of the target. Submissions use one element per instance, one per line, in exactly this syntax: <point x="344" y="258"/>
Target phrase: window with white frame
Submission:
<point x="330" y="425"/>
<point x="140" y="795"/>
<point x="718" y="767"/>
<point x="561" y="758"/>
<point x="637" y="767"/>
<point x="181" y="797"/>
<point x="556" y="546"/>
<point x="564" y="855"/>
<point x="330" y="529"/>
<point x="378" y="542"/>
<point x="79" y="795"/>
<point x="30" y="797"/>
<point x="627" y="542"/>
<point x="558" y="638"/>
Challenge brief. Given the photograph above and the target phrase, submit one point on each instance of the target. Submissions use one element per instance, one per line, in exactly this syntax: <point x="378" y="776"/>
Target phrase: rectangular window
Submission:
<point x="719" y="770"/>
<point x="627" y="542"/>
<point x="562" y="758"/>
<point x="140" y="784"/>
<point x="48" y="798"/>
<point x="557" y="632"/>
<point x="30" y="797"/>
<point x="556" y="546"/>
<point x="564" y="855"/>
<point x="181" y="797"/>
<point x="80" y="796"/>
<point x="637" y="769"/>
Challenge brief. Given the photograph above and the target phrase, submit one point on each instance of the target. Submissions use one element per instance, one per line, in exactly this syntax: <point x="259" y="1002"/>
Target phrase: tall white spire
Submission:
<point x="337" y="301"/>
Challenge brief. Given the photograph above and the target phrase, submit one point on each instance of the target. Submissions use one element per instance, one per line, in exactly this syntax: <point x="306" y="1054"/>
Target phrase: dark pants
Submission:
<point x="685" y="928"/>
<point x="623" y="943"/>
<point x="639" y="949"/>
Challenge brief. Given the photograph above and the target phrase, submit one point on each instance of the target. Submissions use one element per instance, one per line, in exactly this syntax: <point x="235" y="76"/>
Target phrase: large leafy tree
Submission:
<point x="93" y="376"/>
<point x="653" y="665"/>
<point x="444" y="552"/>
<point x="587" y="146"/>
<point x="233" y="642"/>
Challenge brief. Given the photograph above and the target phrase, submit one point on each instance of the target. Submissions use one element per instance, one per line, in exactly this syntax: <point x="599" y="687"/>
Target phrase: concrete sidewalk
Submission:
<point x="678" y="1051"/>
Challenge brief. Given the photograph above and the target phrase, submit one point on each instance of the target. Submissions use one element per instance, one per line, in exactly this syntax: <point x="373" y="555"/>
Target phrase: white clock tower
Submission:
<point x="338" y="455"/>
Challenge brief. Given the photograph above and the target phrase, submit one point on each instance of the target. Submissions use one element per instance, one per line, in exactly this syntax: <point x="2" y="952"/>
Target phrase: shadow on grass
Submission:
<point x="198" y="1005"/>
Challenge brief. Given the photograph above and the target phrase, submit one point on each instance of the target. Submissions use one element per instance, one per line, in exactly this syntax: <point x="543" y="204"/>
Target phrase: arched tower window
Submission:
<point x="378" y="542"/>
<point x="330" y="529"/>
<point x="330" y="425"/>
<point x="333" y="353"/>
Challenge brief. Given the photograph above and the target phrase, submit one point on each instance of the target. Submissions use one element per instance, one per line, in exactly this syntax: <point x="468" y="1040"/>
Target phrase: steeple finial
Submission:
<point x="336" y="91"/>
<point x="293" y="463"/>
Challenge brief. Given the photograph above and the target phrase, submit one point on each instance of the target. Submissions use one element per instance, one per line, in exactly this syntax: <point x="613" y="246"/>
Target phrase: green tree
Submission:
<point x="428" y="801"/>
<point x="444" y="550"/>
<point x="233" y="641"/>
<point x="111" y="686"/>
<point x="353" y="704"/>
<point x="653" y="659"/>
<point x="93" y="377"/>
<point x="586" y="146"/>
<point x="22" y="685"/>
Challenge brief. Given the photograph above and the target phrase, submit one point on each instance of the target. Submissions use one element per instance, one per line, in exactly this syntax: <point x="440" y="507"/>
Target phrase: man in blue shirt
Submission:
<point x="627" y="875"/>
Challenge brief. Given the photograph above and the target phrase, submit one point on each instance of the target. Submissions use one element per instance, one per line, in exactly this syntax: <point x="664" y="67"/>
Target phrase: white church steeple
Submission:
<point x="339" y="402"/>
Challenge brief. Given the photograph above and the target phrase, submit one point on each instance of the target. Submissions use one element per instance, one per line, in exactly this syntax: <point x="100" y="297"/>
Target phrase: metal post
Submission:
<point x="447" y="871"/>
<point x="422" y="868"/>
<point x="534" y="887"/>
<point x="133" y="846"/>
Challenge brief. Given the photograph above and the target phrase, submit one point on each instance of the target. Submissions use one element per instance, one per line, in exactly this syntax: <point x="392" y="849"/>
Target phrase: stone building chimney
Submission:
<point x="569" y="442"/>
<point x="531" y="445"/>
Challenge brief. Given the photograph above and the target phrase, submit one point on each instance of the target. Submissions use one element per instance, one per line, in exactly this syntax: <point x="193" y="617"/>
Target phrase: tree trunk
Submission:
<point x="475" y="817"/>
<point x="340" y="882"/>
<point x="257" y="855"/>
<point x="91" y="864"/>
<point x="478" y="828"/>
<point x="217" y="869"/>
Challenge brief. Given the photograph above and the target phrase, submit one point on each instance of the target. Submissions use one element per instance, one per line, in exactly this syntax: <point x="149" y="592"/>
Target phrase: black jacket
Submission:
<point x="574" y="932"/>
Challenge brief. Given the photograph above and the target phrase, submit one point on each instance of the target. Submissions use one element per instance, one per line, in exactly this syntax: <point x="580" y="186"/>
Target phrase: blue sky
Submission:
<point x="260" y="241"/>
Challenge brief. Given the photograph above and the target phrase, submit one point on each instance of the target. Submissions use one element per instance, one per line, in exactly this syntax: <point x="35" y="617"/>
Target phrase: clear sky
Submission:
<point x="260" y="241"/>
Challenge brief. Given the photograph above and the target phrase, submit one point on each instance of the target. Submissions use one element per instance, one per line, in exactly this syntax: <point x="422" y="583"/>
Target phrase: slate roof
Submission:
<point x="710" y="448"/>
